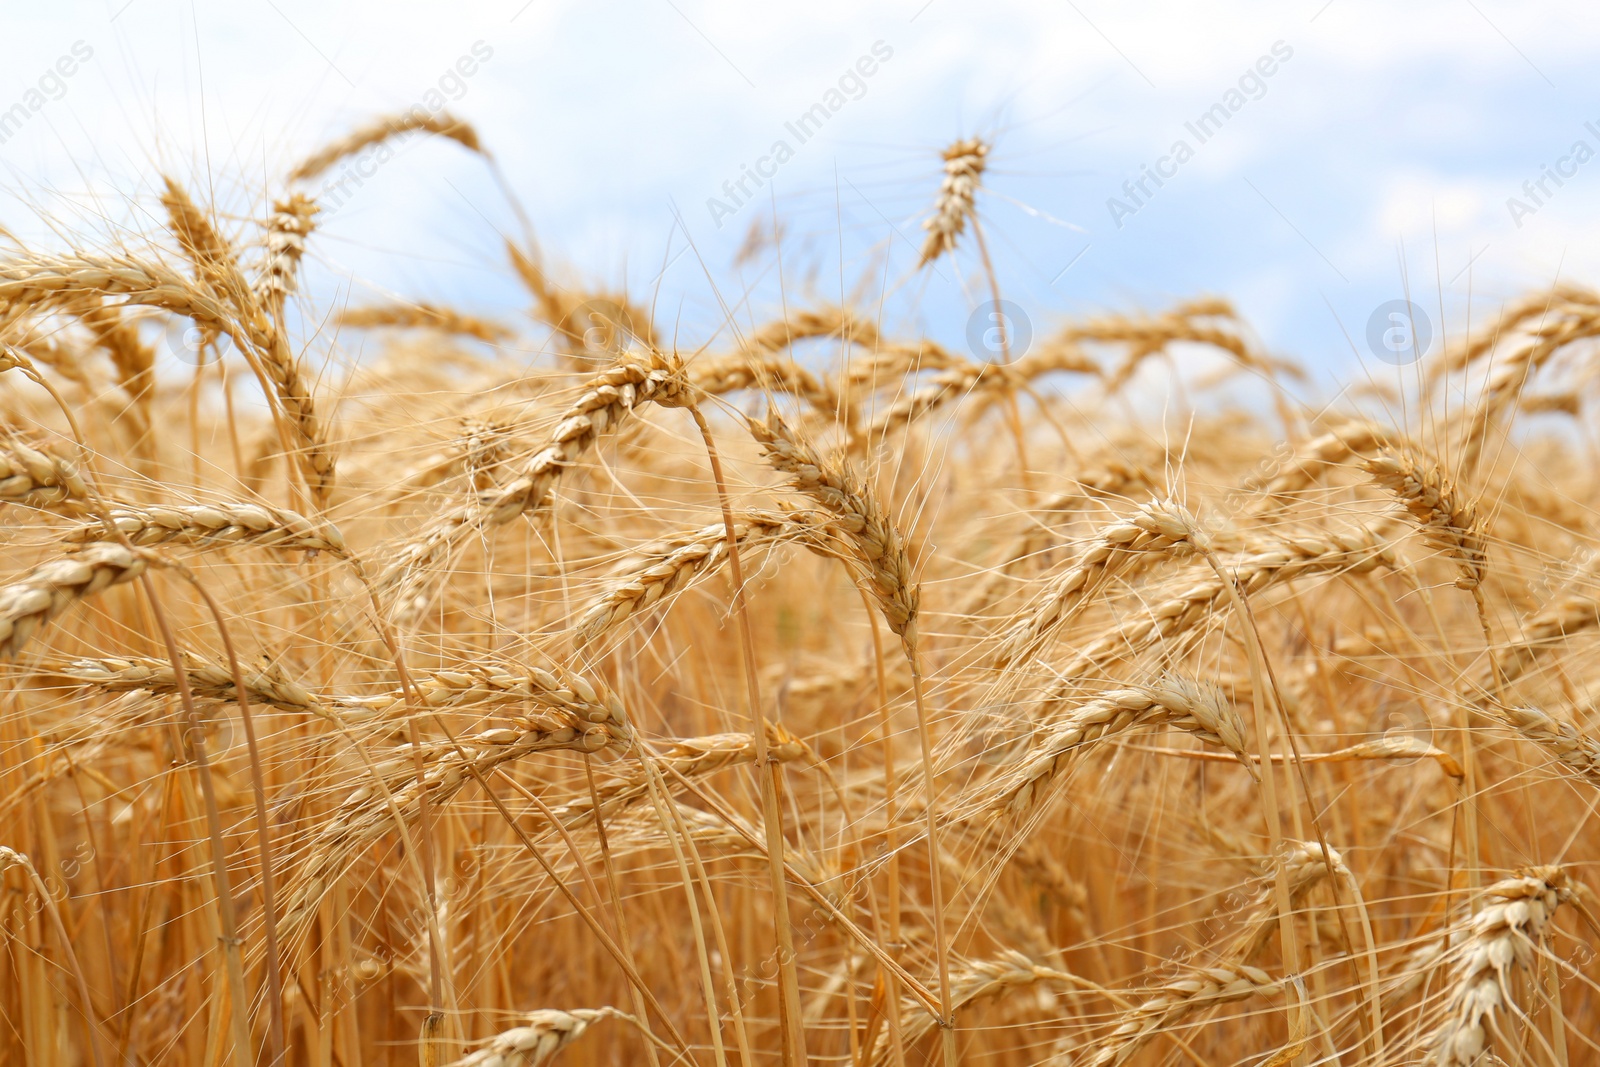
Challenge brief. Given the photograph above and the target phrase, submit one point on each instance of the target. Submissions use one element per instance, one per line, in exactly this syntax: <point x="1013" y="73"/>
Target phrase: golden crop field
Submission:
<point x="815" y="694"/>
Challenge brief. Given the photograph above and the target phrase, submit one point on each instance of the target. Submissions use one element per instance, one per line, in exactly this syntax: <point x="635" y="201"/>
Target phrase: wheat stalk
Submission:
<point x="1542" y="305"/>
<point x="658" y="572"/>
<point x="1191" y="706"/>
<point x="681" y="758"/>
<point x="43" y="282"/>
<point x="1578" y="753"/>
<point x="976" y="980"/>
<point x="39" y="479"/>
<point x="807" y="324"/>
<point x="379" y="130"/>
<point x="607" y="400"/>
<point x="878" y="543"/>
<point x="536" y="1042"/>
<point x="213" y="525"/>
<point x="1305" y="866"/>
<point x="1447" y="521"/>
<point x="1564" y="616"/>
<point x="447" y="768"/>
<point x="212" y="255"/>
<point x="1157" y="529"/>
<point x="1174" y="609"/>
<point x="1173" y="1002"/>
<point x="1352" y="438"/>
<point x="290" y="223"/>
<point x="964" y="163"/>
<point x="31" y="601"/>
<point x="426" y="317"/>
<point x="718" y="376"/>
<point x="1503" y="938"/>
<point x="207" y="681"/>
<point x="986" y="382"/>
<point x="1190" y="322"/>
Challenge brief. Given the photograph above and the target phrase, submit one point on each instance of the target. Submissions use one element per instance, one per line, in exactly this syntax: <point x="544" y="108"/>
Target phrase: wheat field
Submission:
<point x="814" y="694"/>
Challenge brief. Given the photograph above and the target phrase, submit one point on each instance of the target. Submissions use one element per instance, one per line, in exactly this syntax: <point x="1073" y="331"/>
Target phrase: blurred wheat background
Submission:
<point x="875" y="665"/>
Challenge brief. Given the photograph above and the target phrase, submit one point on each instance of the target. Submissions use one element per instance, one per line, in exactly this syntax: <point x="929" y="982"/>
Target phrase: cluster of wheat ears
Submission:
<point x="813" y="695"/>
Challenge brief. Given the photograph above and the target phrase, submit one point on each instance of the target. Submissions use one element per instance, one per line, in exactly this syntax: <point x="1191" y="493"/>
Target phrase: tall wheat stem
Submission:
<point x="789" y="1015"/>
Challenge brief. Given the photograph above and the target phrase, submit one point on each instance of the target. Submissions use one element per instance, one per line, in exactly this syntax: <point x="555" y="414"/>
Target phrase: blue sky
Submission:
<point x="1379" y="155"/>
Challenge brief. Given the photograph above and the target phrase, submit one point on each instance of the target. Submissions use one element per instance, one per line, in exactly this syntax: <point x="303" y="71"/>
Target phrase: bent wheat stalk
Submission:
<point x="880" y="551"/>
<point x="984" y="382"/>
<point x="380" y="130"/>
<point x="1011" y="972"/>
<point x="607" y="401"/>
<point x="1176" y="608"/>
<point x="39" y="479"/>
<point x="367" y="812"/>
<point x="1193" y="707"/>
<point x="658" y="572"/>
<point x="424" y="317"/>
<point x="30" y="602"/>
<point x="1577" y="753"/>
<point x="1171" y="1004"/>
<point x="1448" y="522"/>
<point x="1157" y="529"/>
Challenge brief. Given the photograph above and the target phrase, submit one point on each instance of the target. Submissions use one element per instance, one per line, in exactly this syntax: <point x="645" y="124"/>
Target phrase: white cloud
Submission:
<point x="1388" y="118"/>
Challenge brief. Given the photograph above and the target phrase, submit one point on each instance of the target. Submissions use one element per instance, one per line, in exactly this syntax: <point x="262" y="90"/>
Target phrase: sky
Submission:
<point x="1356" y="153"/>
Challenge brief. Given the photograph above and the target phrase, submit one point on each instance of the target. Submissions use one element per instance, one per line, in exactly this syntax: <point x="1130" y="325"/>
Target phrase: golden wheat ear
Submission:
<point x="1447" y="520"/>
<point x="964" y="163"/>
<point x="290" y="224"/>
<point x="546" y="1032"/>
<point x="424" y="317"/>
<point x="382" y="129"/>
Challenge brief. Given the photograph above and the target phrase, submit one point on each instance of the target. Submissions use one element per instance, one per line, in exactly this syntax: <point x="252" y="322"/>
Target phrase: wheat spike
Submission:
<point x="214" y="525"/>
<point x="31" y="601"/>
<point x="1448" y="522"/>
<point x="1191" y="706"/>
<point x="1575" y="751"/>
<point x="39" y="479"/>
<point x="291" y="222"/>
<point x="547" y="1032"/>
<point x="879" y="544"/>
<point x="379" y="130"/>
<point x="1500" y="940"/>
<point x="1175" y="1001"/>
<point x="657" y="572"/>
<point x="609" y="399"/>
<point x="964" y="163"/>
<point x="424" y="317"/>
<point x="1157" y="529"/>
